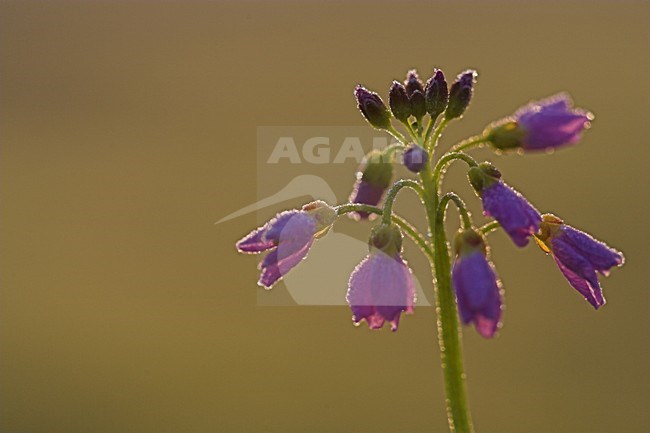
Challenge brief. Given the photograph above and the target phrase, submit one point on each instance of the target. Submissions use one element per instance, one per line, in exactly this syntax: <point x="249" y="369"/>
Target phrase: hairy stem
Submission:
<point x="449" y="338"/>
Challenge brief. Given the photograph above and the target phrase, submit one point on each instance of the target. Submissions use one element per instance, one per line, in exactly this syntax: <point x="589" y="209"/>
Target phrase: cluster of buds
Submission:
<point x="381" y="286"/>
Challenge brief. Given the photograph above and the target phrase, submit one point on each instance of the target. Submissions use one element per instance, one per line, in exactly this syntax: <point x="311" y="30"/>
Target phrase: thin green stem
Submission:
<point x="460" y="204"/>
<point x="449" y="337"/>
<point x="398" y="135"/>
<point x="489" y="227"/>
<point x="390" y="150"/>
<point x="429" y="129"/>
<point x="446" y="159"/>
<point x="410" y="231"/>
<point x="392" y="193"/>
<point x="468" y="143"/>
<point x="431" y="146"/>
<point x="411" y="131"/>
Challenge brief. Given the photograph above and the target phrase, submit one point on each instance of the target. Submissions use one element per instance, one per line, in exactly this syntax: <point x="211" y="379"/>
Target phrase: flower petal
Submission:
<point x="593" y="294"/>
<point x="517" y="217"/>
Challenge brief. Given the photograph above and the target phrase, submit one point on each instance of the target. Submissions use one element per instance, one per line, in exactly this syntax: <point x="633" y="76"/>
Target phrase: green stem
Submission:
<point x="388" y="151"/>
<point x="468" y="143"/>
<point x="398" y="135"/>
<point x="410" y="231"/>
<point x="489" y="227"/>
<point x="460" y="204"/>
<point x="431" y="146"/>
<point x="449" y="339"/>
<point x="392" y="193"/>
<point x="429" y="129"/>
<point x="446" y="159"/>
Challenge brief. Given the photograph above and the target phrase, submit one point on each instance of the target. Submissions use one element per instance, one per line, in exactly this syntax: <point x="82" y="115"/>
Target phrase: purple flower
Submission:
<point x="500" y="201"/>
<point x="541" y="125"/>
<point x="415" y="158"/>
<point x="288" y="238"/>
<point x="381" y="286"/>
<point x="373" y="178"/>
<point x="476" y="285"/>
<point x="579" y="257"/>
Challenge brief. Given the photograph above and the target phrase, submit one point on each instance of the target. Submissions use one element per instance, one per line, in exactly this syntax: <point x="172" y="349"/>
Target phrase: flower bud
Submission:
<point x="436" y="94"/>
<point x="372" y="108"/>
<point x="415" y="158"/>
<point x="460" y="94"/>
<point x="399" y="101"/>
<point x="413" y="83"/>
<point x="418" y="105"/>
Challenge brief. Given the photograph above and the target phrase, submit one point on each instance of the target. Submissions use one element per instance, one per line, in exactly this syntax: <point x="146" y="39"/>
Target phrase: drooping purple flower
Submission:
<point x="373" y="178"/>
<point x="500" y="201"/>
<point x="579" y="256"/>
<point x="288" y="238"/>
<point x="541" y="125"/>
<point x="415" y="158"/>
<point x="381" y="286"/>
<point x="476" y="285"/>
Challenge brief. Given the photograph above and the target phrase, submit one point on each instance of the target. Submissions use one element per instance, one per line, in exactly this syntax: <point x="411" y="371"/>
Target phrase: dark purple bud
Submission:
<point x="399" y="101"/>
<point x="415" y="158"/>
<point x="381" y="287"/>
<point x="372" y="108"/>
<point x="436" y="94"/>
<point x="476" y="284"/>
<point x="513" y="212"/>
<point x="578" y="256"/>
<point x="413" y="83"/>
<point x="460" y="94"/>
<point x="418" y="105"/>
<point x="373" y="178"/>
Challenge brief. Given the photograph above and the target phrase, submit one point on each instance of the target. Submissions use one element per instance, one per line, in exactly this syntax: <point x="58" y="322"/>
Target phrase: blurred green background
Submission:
<point x="128" y="128"/>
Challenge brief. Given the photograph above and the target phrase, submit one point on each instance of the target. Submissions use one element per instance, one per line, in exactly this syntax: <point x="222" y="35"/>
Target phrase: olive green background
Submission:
<point x="128" y="128"/>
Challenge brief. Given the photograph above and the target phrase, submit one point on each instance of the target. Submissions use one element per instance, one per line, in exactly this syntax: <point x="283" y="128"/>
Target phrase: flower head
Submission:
<point x="476" y="284"/>
<point x="373" y="178"/>
<point x="381" y="286"/>
<point x="579" y="257"/>
<point x="288" y="238"/>
<point x="540" y="125"/>
<point x="517" y="217"/>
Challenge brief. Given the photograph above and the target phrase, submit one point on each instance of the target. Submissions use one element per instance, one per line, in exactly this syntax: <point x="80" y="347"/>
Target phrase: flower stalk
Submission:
<point x="381" y="287"/>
